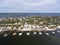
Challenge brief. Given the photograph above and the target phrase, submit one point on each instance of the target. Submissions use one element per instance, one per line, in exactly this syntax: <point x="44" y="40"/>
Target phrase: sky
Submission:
<point x="30" y="6"/>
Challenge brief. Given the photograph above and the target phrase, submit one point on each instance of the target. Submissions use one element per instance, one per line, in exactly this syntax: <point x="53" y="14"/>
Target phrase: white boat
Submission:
<point x="27" y="33"/>
<point x="40" y="33"/>
<point x="53" y="32"/>
<point x="5" y="35"/>
<point x="34" y="33"/>
<point x="20" y="34"/>
<point x="14" y="33"/>
<point x="47" y="34"/>
<point x="58" y="31"/>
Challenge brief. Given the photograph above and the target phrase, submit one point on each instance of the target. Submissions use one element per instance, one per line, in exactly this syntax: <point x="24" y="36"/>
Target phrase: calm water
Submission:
<point x="2" y="15"/>
<point x="52" y="39"/>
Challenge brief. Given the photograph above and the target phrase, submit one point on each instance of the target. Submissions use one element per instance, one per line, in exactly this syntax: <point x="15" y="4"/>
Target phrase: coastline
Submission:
<point x="31" y="23"/>
<point x="26" y="31"/>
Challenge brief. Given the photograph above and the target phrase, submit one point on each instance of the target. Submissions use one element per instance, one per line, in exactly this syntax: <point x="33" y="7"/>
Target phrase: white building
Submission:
<point x="34" y="27"/>
<point x="9" y="28"/>
<point x="0" y="30"/>
<point x="14" y="28"/>
<point x="27" y="27"/>
<point x="49" y="29"/>
<point x="19" y="29"/>
<point x="58" y="27"/>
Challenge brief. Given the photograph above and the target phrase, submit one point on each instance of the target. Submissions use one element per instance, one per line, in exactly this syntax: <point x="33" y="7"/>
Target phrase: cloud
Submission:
<point x="27" y="2"/>
<point x="27" y="5"/>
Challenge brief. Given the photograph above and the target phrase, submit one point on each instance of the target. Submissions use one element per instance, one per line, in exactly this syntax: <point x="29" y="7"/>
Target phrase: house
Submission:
<point x="27" y="27"/>
<point x="58" y="27"/>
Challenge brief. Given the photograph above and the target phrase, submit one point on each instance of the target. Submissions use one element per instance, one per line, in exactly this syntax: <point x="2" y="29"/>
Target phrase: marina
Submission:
<point x="30" y="33"/>
<point x="32" y="38"/>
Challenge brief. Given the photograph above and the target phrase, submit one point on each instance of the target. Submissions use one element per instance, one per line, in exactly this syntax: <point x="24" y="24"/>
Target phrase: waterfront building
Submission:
<point x="58" y="27"/>
<point x="27" y="27"/>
